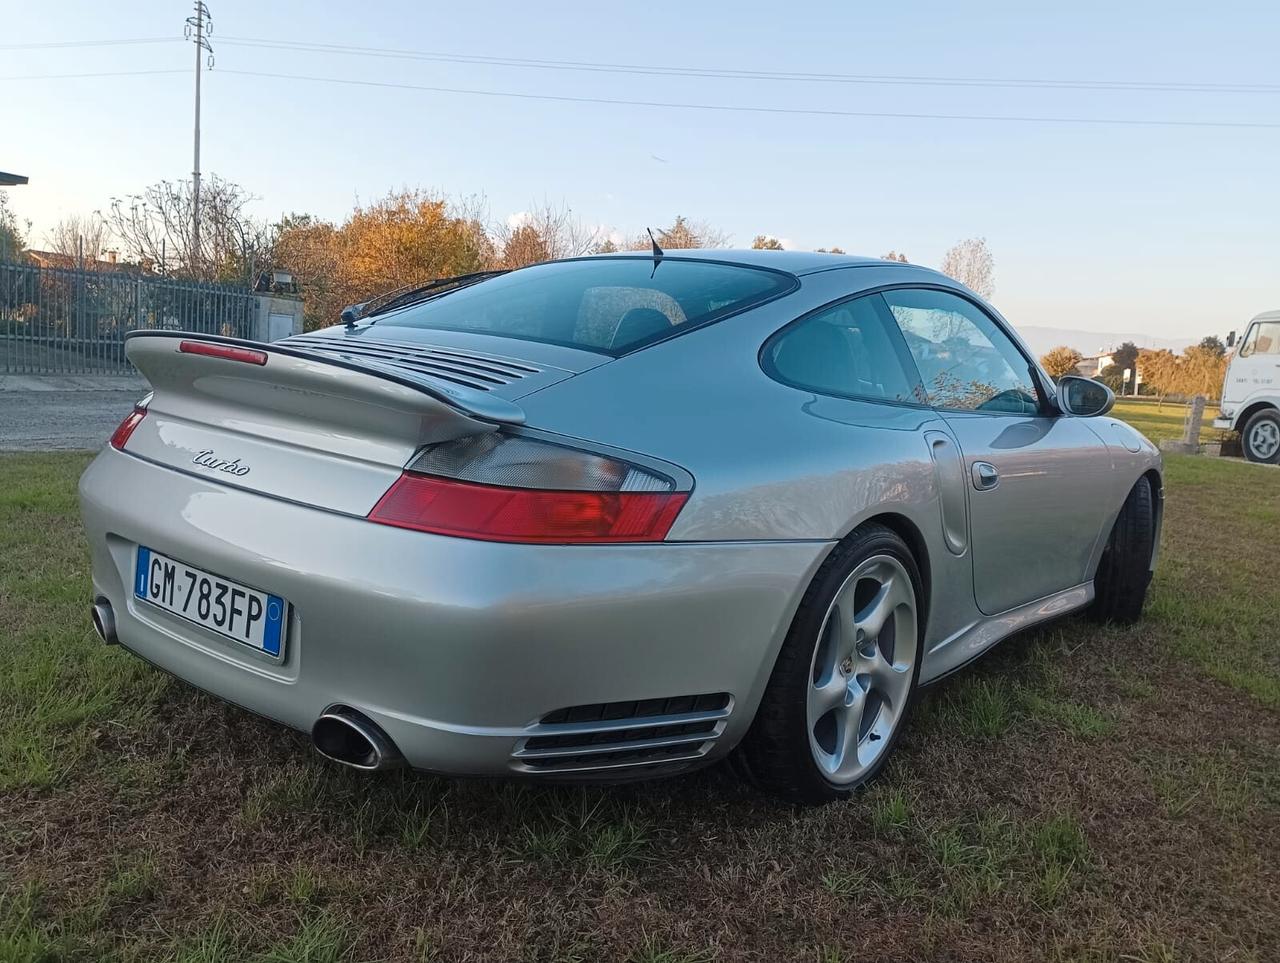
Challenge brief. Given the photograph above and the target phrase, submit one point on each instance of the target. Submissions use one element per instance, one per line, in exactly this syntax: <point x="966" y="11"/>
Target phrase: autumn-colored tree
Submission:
<point x="764" y="242"/>
<point x="894" y="256"/>
<point x="407" y="237"/>
<point x="830" y="250"/>
<point x="544" y="233"/>
<point x="1060" y="361"/>
<point x="1202" y="370"/>
<point x="1159" y="371"/>
<point x="971" y="263"/>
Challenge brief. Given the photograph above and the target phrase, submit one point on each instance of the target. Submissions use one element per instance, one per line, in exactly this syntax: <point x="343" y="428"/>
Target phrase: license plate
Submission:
<point x="232" y="610"/>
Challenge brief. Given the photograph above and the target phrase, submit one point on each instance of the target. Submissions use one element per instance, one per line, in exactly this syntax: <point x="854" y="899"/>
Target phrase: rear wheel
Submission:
<point x="1261" y="437"/>
<point x="845" y="677"/>
<point x="1120" y="586"/>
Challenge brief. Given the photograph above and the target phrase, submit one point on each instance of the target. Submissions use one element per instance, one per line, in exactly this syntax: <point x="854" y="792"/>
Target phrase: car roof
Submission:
<point x="793" y="262"/>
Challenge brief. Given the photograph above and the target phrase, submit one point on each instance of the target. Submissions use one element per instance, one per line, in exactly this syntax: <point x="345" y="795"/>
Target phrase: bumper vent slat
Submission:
<point x="619" y="735"/>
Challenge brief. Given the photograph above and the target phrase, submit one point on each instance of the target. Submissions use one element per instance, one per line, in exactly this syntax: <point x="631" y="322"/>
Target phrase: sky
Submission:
<point x="1172" y="231"/>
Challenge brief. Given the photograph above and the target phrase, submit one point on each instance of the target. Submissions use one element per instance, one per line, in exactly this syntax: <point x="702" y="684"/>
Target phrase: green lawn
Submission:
<point x="1084" y="793"/>
<point x="1161" y="422"/>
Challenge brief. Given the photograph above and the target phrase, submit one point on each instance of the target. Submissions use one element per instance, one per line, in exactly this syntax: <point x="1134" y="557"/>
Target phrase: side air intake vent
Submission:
<point x="619" y="735"/>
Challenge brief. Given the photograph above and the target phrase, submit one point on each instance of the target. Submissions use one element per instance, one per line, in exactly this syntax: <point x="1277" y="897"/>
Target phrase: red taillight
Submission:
<point x="499" y="514"/>
<point x="227" y="351"/>
<point x="125" y="429"/>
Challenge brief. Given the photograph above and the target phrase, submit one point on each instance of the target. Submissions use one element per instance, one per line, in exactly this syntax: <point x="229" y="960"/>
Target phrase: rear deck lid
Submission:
<point x="313" y="421"/>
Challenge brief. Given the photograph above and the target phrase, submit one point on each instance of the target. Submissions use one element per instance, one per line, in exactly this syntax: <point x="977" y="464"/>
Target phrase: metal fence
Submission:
<point x="67" y="321"/>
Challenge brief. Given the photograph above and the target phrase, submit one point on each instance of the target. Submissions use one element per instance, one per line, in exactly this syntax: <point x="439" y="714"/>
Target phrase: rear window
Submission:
<point x="611" y="305"/>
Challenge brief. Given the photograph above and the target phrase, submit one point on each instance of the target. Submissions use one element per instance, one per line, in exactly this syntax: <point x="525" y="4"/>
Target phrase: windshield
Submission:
<point x="610" y="305"/>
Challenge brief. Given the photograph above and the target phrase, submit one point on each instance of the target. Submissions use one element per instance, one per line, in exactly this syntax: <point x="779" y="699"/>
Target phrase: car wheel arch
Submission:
<point x="1242" y="418"/>
<point x="909" y="532"/>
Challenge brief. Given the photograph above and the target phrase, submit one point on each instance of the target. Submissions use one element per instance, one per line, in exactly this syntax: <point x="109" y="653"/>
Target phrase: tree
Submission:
<point x="971" y="263"/>
<point x="76" y="236"/>
<point x="1113" y="377"/>
<point x="155" y="228"/>
<point x="682" y="235"/>
<point x="1060" y="361"/>
<point x="12" y="235"/>
<point x="1125" y="356"/>
<point x="1159" y="371"/>
<point x="544" y="233"/>
<point x="1213" y="344"/>
<point x="407" y="237"/>
<point x="894" y="256"/>
<point x="1203" y="369"/>
<point x="830" y="250"/>
<point x="764" y="242"/>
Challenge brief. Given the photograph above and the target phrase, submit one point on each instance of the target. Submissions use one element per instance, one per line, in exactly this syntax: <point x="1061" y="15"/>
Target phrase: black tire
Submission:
<point x="775" y="753"/>
<point x="1267" y="417"/>
<point x="1120" y="586"/>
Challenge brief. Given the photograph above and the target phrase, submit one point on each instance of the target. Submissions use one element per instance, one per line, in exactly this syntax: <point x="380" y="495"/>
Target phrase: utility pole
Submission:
<point x="198" y="28"/>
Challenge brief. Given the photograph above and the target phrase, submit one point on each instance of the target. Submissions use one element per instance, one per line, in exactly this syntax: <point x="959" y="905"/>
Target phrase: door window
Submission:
<point x="1263" y="338"/>
<point x="965" y="361"/>
<point x="846" y="350"/>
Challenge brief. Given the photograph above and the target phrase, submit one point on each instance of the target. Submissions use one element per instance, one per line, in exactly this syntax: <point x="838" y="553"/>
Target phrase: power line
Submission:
<point x="742" y="108"/>
<point x="87" y="43"/>
<point x="686" y="71"/>
<point x="96" y="73"/>
<point x="744" y="74"/>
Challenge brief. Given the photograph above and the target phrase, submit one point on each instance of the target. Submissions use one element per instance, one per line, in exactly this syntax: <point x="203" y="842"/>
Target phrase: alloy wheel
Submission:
<point x="861" y="674"/>
<point x="1264" y="440"/>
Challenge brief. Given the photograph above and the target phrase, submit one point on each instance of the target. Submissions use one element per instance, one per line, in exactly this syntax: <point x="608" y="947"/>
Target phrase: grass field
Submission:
<point x="1160" y="422"/>
<point x="1086" y="794"/>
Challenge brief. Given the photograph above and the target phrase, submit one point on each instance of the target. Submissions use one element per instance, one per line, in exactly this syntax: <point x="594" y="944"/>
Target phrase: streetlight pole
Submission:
<point x="198" y="28"/>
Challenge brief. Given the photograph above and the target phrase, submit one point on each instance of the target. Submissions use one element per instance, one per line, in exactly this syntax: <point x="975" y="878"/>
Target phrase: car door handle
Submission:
<point x="985" y="476"/>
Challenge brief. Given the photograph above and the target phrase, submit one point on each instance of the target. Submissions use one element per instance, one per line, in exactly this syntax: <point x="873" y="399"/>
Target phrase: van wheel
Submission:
<point x="1120" y="587"/>
<point x="845" y="677"/>
<point x="1261" y="437"/>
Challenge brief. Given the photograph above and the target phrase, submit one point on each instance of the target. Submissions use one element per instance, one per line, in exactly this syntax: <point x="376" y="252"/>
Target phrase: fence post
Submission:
<point x="1189" y="444"/>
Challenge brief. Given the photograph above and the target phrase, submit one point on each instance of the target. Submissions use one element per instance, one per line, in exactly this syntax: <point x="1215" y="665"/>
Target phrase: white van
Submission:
<point x="1251" y="390"/>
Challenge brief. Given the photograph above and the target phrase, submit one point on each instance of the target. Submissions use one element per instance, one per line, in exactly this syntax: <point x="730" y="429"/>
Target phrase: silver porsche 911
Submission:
<point x="614" y="517"/>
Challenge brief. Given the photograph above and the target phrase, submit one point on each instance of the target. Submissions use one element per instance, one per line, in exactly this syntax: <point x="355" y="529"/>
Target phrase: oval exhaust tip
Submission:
<point x="348" y="736"/>
<point x="104" y="621"/>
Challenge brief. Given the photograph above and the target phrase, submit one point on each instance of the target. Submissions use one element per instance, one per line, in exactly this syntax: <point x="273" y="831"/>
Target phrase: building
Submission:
<point x="1094" y="365"/>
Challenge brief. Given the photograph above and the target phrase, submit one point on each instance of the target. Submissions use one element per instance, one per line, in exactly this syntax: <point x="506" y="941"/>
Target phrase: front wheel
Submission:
<point x="1120" y="586"/>
<point x="1261" y="437"/>
<point x="845" y="677"/>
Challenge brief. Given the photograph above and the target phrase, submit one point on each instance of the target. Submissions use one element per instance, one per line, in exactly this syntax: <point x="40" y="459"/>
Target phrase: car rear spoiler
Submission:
<point x="161" y="359"/>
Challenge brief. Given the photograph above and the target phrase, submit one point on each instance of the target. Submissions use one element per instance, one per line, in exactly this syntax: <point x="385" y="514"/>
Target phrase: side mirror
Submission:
<point x="1231" y="339"/>
<point x="1084" y="397"/>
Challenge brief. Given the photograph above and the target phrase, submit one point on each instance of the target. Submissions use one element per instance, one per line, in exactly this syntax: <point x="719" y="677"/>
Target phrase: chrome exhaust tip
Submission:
<point x="348" y="736"/>
<point x="104" y="621"/>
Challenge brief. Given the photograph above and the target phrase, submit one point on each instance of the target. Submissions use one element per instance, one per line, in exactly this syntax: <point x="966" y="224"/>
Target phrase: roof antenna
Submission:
<point x="657" y="254"/>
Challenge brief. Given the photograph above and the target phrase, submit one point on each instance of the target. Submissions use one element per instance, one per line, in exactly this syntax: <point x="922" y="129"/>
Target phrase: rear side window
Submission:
<point x="1263" y="338"/>
<point x="610" y="305"/>
<point x="846" y="350"/>
<point x="965" y="361"/>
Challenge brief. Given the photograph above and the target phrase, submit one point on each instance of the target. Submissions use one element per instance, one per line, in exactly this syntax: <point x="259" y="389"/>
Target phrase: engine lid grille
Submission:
<point x="470" y="369"/>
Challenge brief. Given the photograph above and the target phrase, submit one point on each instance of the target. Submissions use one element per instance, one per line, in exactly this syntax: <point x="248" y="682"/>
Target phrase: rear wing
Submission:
<point x="158" y="355"/>
<point x="291" y="423"/>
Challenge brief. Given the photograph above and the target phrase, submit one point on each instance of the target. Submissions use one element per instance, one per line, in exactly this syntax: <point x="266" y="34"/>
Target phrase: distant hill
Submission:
<point x="1089" y="343"/>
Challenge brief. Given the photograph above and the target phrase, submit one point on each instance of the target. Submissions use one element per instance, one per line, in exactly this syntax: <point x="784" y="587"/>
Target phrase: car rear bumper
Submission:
<point x="458" y="648"/>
